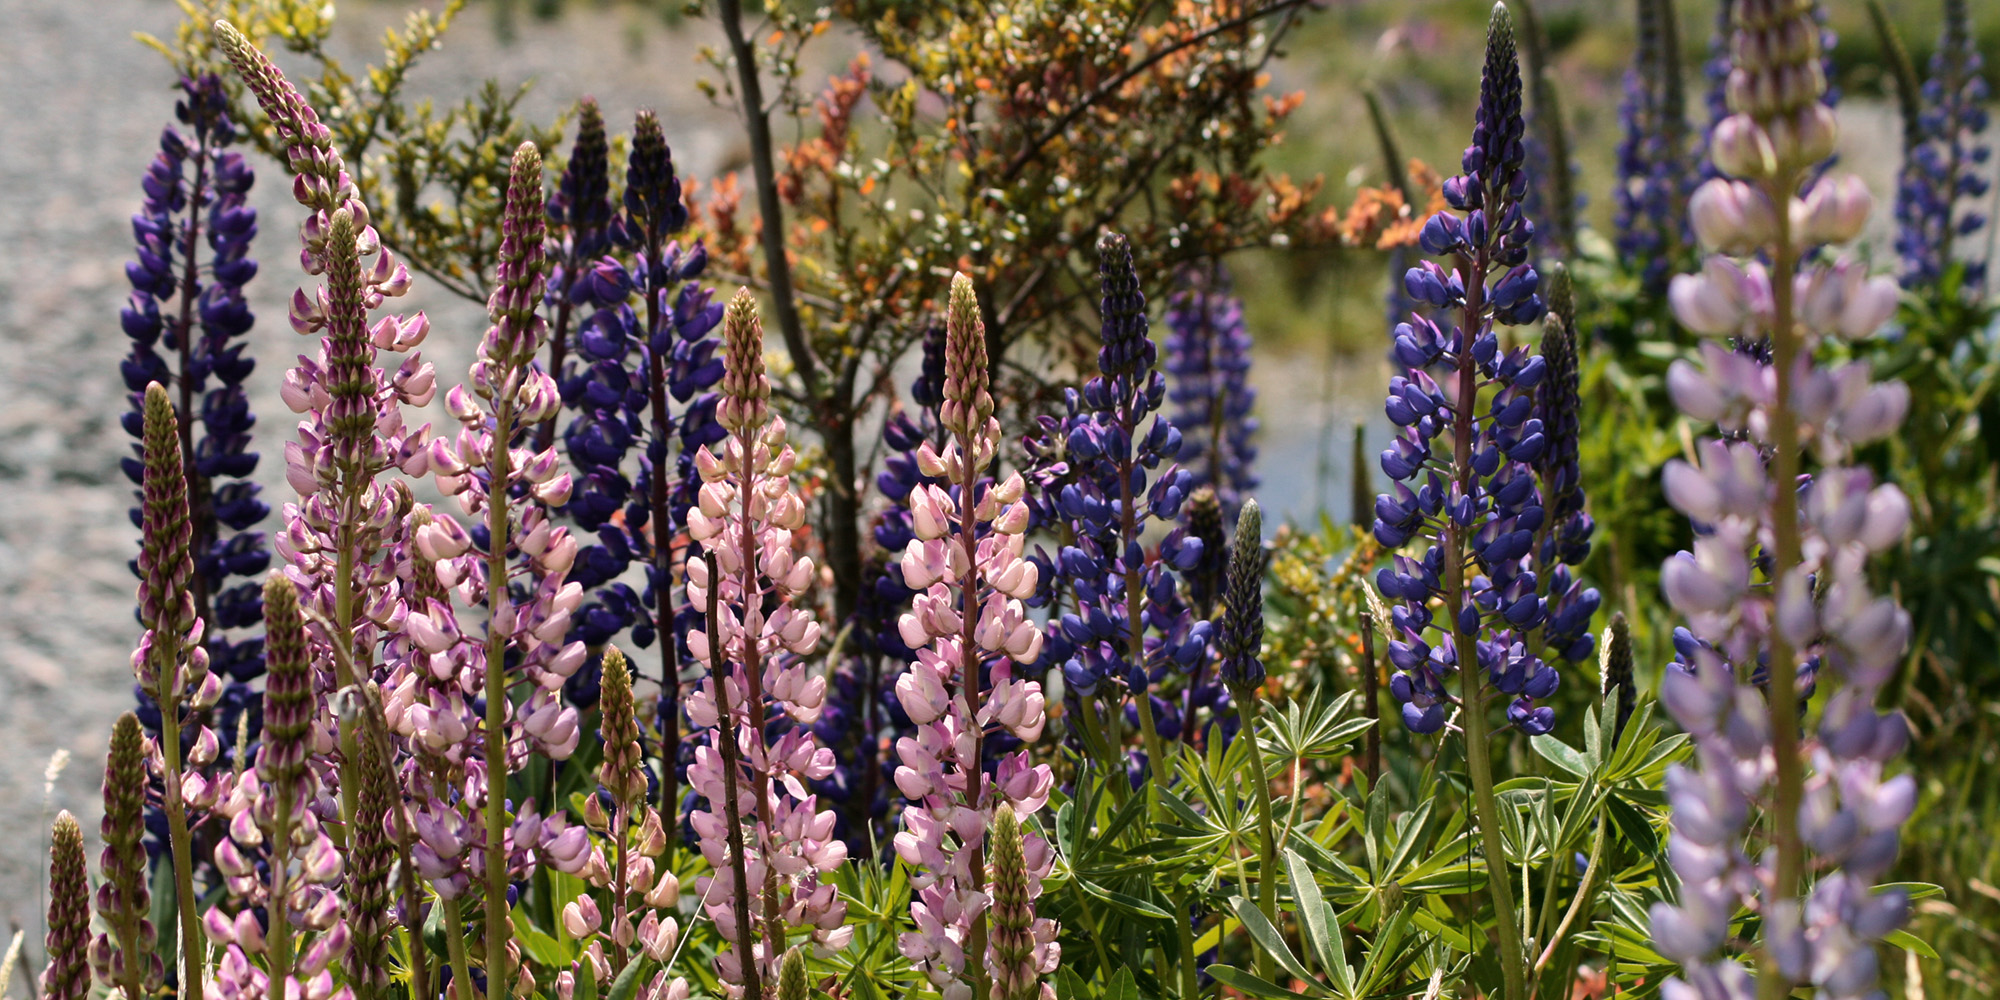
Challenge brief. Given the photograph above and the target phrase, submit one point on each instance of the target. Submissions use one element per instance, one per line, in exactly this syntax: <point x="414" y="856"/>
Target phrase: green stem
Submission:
<point x="343" y="621"/>
<point x="279" y="937"/>
<point x="1773" y="984"/>
<point x="497" y="526"/>
<point x="1184" y="929"/>
<point x="1478" y="763"/>
<point x="1267" y="841"/>
<point x="183" y="845"/>
<point x="1581" y="903"/>
<point x="454" y="937"/>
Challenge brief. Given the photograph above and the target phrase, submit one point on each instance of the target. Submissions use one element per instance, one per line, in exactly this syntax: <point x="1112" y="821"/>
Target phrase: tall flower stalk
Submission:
<point x="336" y="535"/>
<point x="779" y="876"/>
<point x="1776" y="585"/>
<point x="973" y="641"/>
<point x="1941" y="172"/>
<point x="171" y="663"/>
<point x="1117" y="479"/>
<point x="1479" y="500"/>
<point x="491" y="470"/>
<point x="1208" y="368"/>
<point x="636" y="378"/>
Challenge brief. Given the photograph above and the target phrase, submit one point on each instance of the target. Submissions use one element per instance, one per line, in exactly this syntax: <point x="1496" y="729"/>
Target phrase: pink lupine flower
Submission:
<point x="966" y="563"/>
<point x="762" y="831"/>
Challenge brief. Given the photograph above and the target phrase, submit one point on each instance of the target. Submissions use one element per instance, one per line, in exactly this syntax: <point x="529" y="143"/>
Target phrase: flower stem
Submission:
<point x="1772" y="983"/>
<point x="969" y="689"/>
<point x="497" y="526"/>
<point x="732" y="817"/>
<point x="280" y="935"/>
<point x="1267" y="840"/>
<point x="183" y="845"/>
<point x="1478" y="763"/>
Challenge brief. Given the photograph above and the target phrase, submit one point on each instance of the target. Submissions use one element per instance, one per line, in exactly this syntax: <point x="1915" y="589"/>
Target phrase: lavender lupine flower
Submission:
<point x="1778" y="573"/>
<point x="1482" y="503"/>
<point x="780" y="875"/>
<point x="126" y="952"/>
<point x="1653" y="177"/>
<point x="1117" y="476"/>
<point x="1207" y="581"/>
<point x="520" y="578"/>
<point x="336" y="536"/>
<point x="1944" y="169"/>
<point x="1208" y="364"/>
<point x="278" y="857"/>
<point x="67" y="975"/>
<point x="974" y="643"/>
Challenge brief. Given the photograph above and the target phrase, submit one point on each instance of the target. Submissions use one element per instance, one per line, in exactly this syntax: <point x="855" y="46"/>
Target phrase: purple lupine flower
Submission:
<point x="1480" y="499"/>
<point x="1565" y="540"/>
<point x="1653" y="179"/>
<point x="1778" y="574"/>
<point x="643" y="375"/>
<point x="1208" y="368"/>
<point x="1942" y="173"/>
<point x="1106" y="475"/>
<point x="185" y="318"/>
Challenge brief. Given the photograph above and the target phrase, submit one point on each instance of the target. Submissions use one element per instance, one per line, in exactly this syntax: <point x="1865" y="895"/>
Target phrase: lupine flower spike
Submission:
<point x="1832" y="810"/>
<point x="1239" y="641"/>
<point x="974" y="643"/>
<point x="779" y="877"/>
<point x="1118" y="477"/>
<point x="1479" y="499"/>
<point x="1941" y="175"/>
<point x="521" y="575"/>
<point x="67" y="975"/>
<point x="185" y="319"/>
<point x="126" y="952"/>
<point x="1208" y="364"/>
<point x="171" y="662"/>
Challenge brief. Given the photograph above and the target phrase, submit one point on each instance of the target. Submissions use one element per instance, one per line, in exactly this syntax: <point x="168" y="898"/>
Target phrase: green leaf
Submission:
<point x="1122" y="987"/>
<point x="540" y="947"/>
<point x="1322" y="934"/>
<point x="1910" y="942"/>
<point x="1126" y="904"/>
<point x="1236" y="978"/>
<point x="1633" y="825"/>
<point x="586" y="982"/>
<point x="1267" y="937"/>
<point x="1915" y="890"/>
<point x="1561" y="755"/>
<point x="627" y="982"/>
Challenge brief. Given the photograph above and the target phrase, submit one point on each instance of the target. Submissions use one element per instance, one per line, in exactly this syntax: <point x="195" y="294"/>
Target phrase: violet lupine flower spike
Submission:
<point x="1106" y="476"/>
<point x="973" y="640"/>
<point x="580" y="213"/>
<point x="747" y="515"/>
<point x="1653" y="178"/>
<point x="1208" y="364"/>
<point x="1563" y="543"/>
<point x="126" y="952"/>
<point x="1943" y="170"/>
<point x="184" y="329"/>
<point x="67" y="975"/>
<point x="1480" y="501"/>
<point x="171" y="662"/>
<point x="1830" y="811"/>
